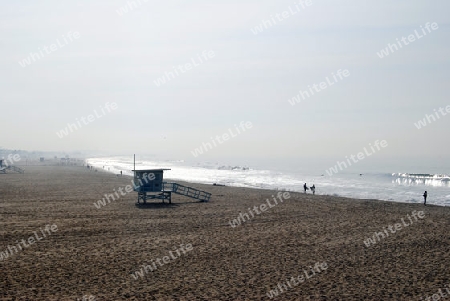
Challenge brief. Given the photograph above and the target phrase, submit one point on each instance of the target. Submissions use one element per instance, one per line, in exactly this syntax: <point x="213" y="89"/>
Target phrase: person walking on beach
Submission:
<point x="305" y="187"/>
<point x="425" y="194"/>
<point x="313" y="189"/>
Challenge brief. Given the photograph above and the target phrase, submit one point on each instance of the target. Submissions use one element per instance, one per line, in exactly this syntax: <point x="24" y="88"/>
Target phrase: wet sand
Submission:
<point x="94" y="252"/>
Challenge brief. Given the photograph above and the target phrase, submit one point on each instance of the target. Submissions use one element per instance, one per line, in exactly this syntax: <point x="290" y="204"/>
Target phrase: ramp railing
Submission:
<point x="187" y="191"/>
<point x="15" y="168"/>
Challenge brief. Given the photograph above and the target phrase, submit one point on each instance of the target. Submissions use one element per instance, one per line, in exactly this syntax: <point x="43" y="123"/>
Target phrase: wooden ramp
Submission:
<point x="13" y="168"/>
<point x="191" y="192"/>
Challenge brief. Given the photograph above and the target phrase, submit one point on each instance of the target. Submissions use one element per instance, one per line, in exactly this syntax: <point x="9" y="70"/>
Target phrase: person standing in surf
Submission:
<point x="425" y="194"/>
<point x="305" y="187"/>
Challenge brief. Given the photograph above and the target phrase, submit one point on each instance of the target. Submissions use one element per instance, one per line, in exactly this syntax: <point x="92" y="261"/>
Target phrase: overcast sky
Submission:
<point x="115" y="56"/>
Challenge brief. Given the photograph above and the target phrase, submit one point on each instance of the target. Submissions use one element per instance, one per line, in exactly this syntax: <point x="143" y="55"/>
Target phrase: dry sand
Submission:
<point x="95" y="251"/>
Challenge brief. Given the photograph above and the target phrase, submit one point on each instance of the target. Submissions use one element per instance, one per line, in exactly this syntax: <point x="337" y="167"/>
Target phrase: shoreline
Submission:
<point x="53" y="162"/>
<point x="381" y="186"/>
<point x="293" y="191"/>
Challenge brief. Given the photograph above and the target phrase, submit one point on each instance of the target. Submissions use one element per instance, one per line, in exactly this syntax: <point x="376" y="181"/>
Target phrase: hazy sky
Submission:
<point x="119" y="55"/>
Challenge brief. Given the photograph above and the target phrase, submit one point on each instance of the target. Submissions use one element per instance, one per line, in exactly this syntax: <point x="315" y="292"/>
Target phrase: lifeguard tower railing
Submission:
<point x="187" y="191"/>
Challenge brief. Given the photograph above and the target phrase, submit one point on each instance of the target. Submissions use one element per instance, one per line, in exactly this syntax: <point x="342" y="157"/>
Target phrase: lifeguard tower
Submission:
<point x="149" y="184"/>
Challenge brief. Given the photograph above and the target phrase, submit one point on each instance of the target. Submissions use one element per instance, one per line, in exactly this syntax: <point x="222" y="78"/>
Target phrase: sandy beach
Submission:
<point x="81" y="251"/>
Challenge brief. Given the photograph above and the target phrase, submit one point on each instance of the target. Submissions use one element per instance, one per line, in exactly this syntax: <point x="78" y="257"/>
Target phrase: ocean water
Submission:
<point x="390" y="186"/>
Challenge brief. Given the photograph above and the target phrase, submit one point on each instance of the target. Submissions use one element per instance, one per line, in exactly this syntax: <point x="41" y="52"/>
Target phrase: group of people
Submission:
<point x="313" y="188"/>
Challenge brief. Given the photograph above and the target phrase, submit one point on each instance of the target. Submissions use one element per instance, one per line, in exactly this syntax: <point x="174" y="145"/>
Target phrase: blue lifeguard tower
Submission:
<point x="149" y="184"/>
